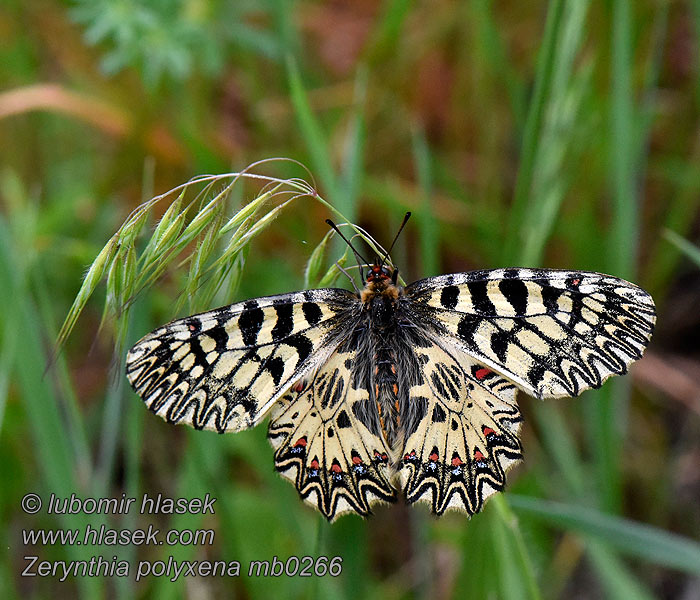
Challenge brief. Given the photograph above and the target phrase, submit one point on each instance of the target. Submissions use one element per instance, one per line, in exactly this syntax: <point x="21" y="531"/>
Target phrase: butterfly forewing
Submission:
<point x="553" y="333"/>
<point x="224" y="369"/>
<point x="336" y="463"/>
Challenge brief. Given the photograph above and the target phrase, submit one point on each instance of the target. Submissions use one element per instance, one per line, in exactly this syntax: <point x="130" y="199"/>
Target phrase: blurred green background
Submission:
<point x="562" y="134"/>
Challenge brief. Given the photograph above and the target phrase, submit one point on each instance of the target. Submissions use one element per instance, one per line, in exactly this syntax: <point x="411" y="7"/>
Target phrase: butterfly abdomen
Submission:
<point x="380" y="301"/>
<point x="386" y="391"/>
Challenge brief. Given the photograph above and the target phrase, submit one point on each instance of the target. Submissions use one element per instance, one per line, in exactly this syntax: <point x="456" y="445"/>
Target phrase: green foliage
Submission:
<point x="172" y="39"/>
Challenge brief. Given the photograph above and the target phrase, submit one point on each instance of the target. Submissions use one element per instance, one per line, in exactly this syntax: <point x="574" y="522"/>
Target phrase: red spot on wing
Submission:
<point x="336" y="468"/>
<point x="478" y="455"/>
<point x="488" y="431"/>
<point x="433" y="456"/>
<point x="456" y="461"/>
<point x="301" y="442"/>
<point x="356" y="460"/>
<point x="314" y="464"/>
<point x="482" y="373"/>
<point x="381" y="457"/>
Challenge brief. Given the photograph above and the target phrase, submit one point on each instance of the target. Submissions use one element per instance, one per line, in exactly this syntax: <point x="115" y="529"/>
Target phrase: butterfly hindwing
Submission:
<point x="553" y="333"/>
<point x="336" y="463"/>
<point x="224" y="369"/>
<point x="467" y="438"/>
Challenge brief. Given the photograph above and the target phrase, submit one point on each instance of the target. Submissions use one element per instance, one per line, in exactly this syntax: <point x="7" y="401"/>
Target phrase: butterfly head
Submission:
<point x="380" y="281"/>
<point x="381" y="273"/>
<point x="380" y="278"/>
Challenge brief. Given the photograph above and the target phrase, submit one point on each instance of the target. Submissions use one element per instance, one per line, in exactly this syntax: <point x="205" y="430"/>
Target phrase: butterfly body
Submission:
<point x="395" y="388"/>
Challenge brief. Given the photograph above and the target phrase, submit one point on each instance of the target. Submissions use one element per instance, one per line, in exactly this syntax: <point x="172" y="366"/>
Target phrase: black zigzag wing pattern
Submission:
<point x="224" y="369"/>
<point x="552" y="333"/>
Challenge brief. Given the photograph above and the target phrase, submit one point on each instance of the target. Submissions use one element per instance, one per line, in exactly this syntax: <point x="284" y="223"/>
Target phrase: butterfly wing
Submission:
<point x="463" y="435"/>
<point x="326" y="442"/>
<point x="552" y="333"/>
<point x="223" y="369"/>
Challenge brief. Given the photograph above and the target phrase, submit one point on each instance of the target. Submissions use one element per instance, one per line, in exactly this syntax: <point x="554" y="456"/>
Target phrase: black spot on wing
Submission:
<point x="219" y="335"/>
<point x="480" y="298"/>
<point x="448" y="296"/>
<point x="312" y="312"/>
<point x="499" y="344"/>
<point x="468" y="324"/>
<point x="515" y="291"/>
<point x="301" y="344"/>
<point x="550" y="297"/>
<point x="250" y="322"/>
<point x="535" y="374"/>
<point x="194" y="324"/>
<point x="576" y="309"/>
<point x="343" y="420"/>
<point x="285" y="320"/>
<point x="439" y="415"/>
<point x="438" y="385"/>
<point x="275" y="366"/>
<point x="413" y="417"/>
<point x="200" y="357"/>
<point x="573" y="282"/>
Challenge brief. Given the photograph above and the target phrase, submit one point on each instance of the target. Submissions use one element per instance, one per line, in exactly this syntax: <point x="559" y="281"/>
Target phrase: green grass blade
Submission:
<point x="624" y="233"/>
<point x="605" y="417"/>
<point x="686" y="248"/>
<point x="643" y="541"/>
<point x="492" y="50"/>
<point x="516" y="563"/>
<point x="533" y="124"/>
<point x="311" y="130"/>
<point x="617" y="582"/>
<point x="427" y="224"/>
<point x="352" y="167"/>
<point x="388" y="31"/>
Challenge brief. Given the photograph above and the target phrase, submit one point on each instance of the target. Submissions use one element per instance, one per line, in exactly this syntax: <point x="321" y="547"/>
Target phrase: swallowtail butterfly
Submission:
<point x="394" y="388"/>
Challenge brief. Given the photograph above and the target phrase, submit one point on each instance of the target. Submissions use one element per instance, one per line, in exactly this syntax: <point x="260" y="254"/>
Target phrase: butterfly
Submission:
<point x="391" y="388"/>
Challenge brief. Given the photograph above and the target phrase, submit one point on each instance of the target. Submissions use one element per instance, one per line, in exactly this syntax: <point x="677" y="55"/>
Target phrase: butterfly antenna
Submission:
<point x="358" y="257"/>
<point x="407" y="216"/>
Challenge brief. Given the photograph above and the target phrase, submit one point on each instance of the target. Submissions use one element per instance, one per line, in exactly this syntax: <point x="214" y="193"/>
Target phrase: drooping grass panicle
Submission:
<point x="196" y="232"/>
